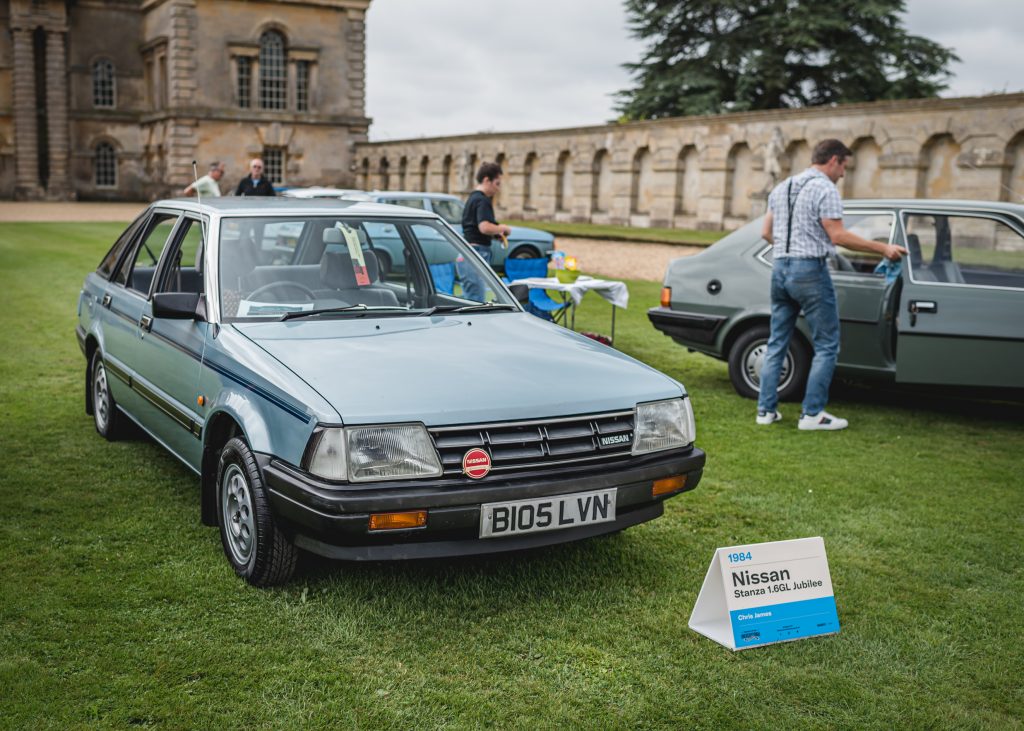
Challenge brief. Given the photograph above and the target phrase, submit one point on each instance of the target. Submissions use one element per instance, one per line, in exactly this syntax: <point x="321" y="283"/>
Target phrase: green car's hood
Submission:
<point x="457" y="369"/>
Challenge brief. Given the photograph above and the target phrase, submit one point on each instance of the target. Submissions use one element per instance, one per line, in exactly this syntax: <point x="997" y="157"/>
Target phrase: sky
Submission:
<point x="450" y="67"/>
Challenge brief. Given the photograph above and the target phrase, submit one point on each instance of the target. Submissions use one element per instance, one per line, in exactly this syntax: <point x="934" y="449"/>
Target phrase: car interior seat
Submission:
<point x="943" y="268"/>
<point x="338" y="277"/>
<point x="917" y="267"/>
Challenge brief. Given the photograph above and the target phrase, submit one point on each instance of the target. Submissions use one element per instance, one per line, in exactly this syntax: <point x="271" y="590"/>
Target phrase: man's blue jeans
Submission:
<point x="801" y="284"/>
<point x="472" y="283"/>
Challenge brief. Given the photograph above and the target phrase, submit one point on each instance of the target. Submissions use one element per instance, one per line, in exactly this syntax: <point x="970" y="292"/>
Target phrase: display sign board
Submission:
<point x="765" y="593"/>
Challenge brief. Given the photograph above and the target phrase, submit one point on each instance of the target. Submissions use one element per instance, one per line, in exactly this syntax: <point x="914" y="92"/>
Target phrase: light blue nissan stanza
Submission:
<point x="329" y="410"/>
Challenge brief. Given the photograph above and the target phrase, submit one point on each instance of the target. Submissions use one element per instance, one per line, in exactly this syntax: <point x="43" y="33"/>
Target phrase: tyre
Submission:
<point x="524" y="252"/>
<point x="255" y="547"/>
<point x="109" y="421"/>
<point x="747" y="356"/>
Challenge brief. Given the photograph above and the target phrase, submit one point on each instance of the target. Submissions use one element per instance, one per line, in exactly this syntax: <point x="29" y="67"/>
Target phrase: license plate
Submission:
<point x="547" y="513"/>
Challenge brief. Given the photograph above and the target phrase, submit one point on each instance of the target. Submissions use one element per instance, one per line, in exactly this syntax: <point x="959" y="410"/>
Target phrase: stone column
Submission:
<point x="181" y="71"/>
<point x="59" y="186"/>
<point x="25" y="140"/>
<point x="355" y="55"/>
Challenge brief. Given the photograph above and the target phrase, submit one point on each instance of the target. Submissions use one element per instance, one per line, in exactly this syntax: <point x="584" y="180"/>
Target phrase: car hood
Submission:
<point x="457" y="369"/>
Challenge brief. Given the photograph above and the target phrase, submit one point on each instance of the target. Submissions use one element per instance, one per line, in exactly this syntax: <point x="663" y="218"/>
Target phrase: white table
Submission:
<point x="615" y="292"/>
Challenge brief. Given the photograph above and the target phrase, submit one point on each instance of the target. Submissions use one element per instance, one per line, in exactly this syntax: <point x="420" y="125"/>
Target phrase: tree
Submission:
<point x="713" y="56"/>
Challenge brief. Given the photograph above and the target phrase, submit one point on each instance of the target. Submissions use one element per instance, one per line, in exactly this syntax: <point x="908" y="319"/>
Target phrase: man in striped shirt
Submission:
<point x="804" y="224"/>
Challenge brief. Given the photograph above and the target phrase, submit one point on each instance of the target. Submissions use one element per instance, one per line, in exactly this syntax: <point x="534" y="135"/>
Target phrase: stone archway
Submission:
<point x="601" y="189"/>
<point x="739" y="181"/>
<point x="687" y="180"/>
<point x="563" y="182"/>
<point x="937" y="172"/>
<point x="1012" y="189"/>
<point x="863" y="175"/>
<point x="642" y="188"/>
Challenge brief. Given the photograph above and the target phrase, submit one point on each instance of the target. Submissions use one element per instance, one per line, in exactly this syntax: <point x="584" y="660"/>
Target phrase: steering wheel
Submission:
<point x="309" y="294"/>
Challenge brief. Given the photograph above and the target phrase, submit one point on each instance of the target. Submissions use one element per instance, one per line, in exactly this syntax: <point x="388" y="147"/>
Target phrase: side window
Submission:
<point x="871" y="226"/>
<point x="185" y="273"/>
<point x="407" y="202"/>
<point x="449" y="210"/>
<point x="106" y="267"/>
<point x="953" y="249"/>
<point x="137" y="270"/>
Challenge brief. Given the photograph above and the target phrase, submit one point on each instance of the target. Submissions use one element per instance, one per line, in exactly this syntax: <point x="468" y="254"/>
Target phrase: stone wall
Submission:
<point x="714" y="172"/>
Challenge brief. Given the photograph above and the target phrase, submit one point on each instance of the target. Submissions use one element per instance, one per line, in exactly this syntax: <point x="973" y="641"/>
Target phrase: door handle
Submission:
<point x="106" y="300"/>
<point x="922" y="306"/>
<point x="146" y="323"/>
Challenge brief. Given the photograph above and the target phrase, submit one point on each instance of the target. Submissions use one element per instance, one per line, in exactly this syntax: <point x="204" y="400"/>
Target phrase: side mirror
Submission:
<point x="179" y="306"/>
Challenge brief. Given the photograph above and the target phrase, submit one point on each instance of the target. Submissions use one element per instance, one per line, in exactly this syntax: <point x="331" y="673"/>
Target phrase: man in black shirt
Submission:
<point x="479" y="226"/>
<point x="254" y="183"/>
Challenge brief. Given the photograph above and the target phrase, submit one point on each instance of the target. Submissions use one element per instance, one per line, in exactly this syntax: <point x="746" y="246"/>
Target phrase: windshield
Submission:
<point x="354" y="267"/>
<point x="449" y="209"/>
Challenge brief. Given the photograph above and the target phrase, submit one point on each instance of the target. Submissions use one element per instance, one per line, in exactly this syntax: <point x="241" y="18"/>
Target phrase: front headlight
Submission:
<point x="373" y="453"/>
<point x="663" y="425"/>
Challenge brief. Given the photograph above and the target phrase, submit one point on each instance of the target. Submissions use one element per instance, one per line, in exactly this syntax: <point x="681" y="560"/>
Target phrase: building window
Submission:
<point x="103" y="83"/>
<point x="105" y="165"/>
<point x="244" y="81"/>
<point x="302" y="86"/>
<point x="273" y="72"/>
<point x="273" y="164"/>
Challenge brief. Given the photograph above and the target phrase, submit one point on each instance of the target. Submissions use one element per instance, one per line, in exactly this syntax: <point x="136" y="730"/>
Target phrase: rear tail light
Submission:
<point x="666" y="296"/>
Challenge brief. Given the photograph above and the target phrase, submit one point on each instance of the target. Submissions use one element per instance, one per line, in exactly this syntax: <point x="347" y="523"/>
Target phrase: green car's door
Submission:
<point x="865" y="332"/>
<point x="960" y="314"/>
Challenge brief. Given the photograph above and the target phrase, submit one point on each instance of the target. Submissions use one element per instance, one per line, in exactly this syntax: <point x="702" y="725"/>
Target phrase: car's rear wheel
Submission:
<point x="747" y="356"/>
<point x="253" y="543"/>
<point x="524" y="252"/>
<point x="109" y="421"/>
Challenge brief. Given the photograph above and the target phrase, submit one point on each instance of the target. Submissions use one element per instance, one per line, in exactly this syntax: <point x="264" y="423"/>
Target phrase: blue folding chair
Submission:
<point x="540" y="303"/>
<point x="444" y="277"/>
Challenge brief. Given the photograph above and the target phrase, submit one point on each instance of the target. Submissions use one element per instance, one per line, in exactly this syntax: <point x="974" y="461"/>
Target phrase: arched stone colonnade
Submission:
<point x="711" y="172"/>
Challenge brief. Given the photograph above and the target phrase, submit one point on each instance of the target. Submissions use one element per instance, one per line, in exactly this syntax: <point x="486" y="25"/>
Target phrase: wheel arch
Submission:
<point x="92" y="344"/>
<point x="740" y="326"/>
<point x="221" y="427"/>
<point x="526" y="246"/>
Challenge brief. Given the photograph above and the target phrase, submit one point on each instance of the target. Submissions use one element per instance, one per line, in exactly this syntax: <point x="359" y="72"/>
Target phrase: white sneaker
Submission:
<point x="823" y="421"/>
<point x="766" y="417"/>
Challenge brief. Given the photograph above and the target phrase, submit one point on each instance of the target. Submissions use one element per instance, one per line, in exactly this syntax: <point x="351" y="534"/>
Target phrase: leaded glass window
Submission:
<point x="103" y="83"/>
<point x="105" y="165"/>
<point x="273" y="72"/>
<point x="244" y="81"/>
<point x="302" y="86"/>
<point x="273" y="164"/>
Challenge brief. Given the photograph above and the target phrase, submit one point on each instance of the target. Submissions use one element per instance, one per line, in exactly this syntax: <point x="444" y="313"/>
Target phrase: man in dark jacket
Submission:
<point x="479" y="226"/>
<point x="254" y="183"/>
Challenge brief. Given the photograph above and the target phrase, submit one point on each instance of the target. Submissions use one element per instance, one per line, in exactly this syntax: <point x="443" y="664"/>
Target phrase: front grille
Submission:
<point x="525" y="445"/>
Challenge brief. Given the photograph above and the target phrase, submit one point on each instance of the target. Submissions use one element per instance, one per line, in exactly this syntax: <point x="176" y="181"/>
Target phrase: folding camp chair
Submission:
<point x="540" y="303"/>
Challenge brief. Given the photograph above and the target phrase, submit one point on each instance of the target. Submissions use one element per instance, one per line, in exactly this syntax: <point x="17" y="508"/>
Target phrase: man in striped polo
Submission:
<point x="804" y="224"/>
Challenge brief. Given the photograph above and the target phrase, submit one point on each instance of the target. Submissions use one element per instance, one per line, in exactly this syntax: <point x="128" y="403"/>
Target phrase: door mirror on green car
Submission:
<point x="179" y="306"/>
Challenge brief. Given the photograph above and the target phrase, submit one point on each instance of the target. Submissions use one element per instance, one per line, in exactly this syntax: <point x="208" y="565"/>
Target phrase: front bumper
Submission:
<point x="333" y="520"/>
<point x="693" y="327"/>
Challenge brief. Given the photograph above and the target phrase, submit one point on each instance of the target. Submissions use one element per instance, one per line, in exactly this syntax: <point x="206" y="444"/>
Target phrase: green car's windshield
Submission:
<point x="336" y="266"/>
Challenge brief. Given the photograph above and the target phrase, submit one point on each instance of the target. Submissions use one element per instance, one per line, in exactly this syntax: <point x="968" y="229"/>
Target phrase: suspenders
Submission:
<point x="792" y="205"/>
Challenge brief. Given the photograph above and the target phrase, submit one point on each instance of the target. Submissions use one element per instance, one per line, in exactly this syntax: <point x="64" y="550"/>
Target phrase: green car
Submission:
<point x="951" y="313"/>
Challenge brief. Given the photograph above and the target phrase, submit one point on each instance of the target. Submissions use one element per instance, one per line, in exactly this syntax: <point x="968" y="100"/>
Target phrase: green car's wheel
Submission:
<point x="256" y="548"/>
<point x="109" y="421"/>
<point x="747" y="356"/>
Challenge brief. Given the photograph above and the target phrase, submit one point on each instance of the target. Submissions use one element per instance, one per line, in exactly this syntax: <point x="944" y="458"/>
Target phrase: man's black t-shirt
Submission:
<point x="478" y="209"/>
<point x="249" y="187"/>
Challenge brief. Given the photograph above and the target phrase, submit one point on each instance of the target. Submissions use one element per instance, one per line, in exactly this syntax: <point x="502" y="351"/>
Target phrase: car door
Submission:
<point x="865" y="341"/>
<point x="124" y="302"/>
<point x="168" y="354"/>
<point x="963" y="294"/>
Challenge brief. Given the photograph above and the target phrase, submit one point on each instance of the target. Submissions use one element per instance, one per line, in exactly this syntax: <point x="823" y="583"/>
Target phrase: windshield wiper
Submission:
<point x="481" y="307"/>
<point x="327" y="310"/>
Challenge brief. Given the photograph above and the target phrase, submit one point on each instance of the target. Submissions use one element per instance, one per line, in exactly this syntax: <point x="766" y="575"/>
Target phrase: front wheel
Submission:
<point x="747" y="357"/>
<point x="255" y="547"/>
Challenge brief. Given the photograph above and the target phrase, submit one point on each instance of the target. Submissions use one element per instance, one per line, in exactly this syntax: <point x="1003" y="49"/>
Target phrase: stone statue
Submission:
<point x="773" y="151"/>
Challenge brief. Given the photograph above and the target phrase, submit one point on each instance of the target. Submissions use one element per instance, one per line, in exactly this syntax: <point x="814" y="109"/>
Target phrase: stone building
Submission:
<point x="715" y="171"/>
<point x="113" y="99"/>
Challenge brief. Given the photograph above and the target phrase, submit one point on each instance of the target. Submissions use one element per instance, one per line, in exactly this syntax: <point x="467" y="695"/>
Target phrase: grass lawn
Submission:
<point x="118" y="608"/>
<point x="690" y="237"/>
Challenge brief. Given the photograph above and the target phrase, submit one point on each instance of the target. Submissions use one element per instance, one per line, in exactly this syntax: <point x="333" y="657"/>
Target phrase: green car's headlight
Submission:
<point x="663" y="425"/>
<point x="373" y="453"/>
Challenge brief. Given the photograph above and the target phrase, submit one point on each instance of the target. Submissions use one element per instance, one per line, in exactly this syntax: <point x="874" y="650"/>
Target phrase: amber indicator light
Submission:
<point x="398" y="521"/>
<point x="668" y="484"/>
<point x="200" y="400"/>
<point x="666" y="296"/>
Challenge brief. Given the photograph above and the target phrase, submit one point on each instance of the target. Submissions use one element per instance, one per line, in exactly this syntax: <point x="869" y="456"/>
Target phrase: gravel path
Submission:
<point x="612" y="259"/>
<point x="623" y="259"/>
